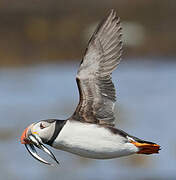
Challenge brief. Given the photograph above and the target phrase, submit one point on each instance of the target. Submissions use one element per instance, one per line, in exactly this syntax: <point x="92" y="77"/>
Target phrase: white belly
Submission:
<point x="92" y="141"/>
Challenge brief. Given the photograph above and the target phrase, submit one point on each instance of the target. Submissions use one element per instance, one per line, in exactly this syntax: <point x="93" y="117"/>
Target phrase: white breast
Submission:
<point x="92" y="141"/>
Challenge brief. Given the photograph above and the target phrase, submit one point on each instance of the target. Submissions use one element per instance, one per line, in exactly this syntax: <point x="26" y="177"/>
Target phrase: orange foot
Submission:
<point x="146" y="148"/>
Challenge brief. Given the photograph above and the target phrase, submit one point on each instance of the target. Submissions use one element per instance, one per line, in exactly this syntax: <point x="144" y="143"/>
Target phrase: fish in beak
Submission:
<point x="32" y="140"/>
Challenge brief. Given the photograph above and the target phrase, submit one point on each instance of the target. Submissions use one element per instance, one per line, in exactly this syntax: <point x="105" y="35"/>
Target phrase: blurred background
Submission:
<point x="41" y="45"/>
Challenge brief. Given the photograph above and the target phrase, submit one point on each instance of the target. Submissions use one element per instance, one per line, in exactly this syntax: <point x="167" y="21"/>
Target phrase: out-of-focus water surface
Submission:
<point x="146" y="108"/>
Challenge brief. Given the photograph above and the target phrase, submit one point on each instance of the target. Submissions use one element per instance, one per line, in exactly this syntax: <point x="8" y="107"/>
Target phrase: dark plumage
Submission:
<point x="97" y="92"/>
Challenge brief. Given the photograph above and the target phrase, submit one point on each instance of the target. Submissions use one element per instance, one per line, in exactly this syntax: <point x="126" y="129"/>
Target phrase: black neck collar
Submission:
<point x="58" y="127"/>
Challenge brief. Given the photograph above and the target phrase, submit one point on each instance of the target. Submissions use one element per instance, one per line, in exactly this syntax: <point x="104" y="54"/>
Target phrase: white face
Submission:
<point x="44" y="130"/>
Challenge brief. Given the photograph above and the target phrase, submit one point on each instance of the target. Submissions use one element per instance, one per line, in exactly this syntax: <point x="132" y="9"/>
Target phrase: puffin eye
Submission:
<point x="42" y="126"/>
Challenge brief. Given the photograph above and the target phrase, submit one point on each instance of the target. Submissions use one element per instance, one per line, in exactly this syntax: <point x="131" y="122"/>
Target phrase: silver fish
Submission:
<point x="36" y="142"/>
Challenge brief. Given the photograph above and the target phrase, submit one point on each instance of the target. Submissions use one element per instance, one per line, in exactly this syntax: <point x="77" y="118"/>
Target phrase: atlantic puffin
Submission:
<point x="90" y="132"/>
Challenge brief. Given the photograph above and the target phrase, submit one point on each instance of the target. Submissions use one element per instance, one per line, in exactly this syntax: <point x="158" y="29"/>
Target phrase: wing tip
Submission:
<point x="112" y="11"/>
<point x="113" y="14"/>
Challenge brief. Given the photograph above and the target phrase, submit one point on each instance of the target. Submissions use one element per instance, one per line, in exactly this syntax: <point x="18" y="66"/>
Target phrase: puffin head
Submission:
<point x="40" y="133"/>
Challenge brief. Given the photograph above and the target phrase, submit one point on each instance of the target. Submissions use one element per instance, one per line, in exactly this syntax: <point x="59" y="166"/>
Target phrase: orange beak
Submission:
<point x="23" y="138"/>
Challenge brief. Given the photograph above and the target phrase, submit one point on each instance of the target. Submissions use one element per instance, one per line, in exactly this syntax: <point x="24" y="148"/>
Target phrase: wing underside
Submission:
<point x="96" y="89"/>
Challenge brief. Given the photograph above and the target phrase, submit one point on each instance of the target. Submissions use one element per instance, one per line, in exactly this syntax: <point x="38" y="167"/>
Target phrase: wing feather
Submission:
<point x="97" y="92"/>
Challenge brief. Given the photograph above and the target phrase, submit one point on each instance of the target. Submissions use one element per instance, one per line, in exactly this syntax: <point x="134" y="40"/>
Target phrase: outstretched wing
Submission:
<point x="97" y="92"/>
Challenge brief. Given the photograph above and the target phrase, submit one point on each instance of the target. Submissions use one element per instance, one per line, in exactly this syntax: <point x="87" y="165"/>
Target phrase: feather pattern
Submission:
<point x="97" y="92"/>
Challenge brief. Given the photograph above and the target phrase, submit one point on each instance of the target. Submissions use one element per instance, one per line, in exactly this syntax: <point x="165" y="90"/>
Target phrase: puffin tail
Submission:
<point x="146" y="147"/>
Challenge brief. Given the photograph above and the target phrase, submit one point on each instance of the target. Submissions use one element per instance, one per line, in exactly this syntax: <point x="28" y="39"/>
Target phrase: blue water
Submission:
<point x="146" y="108"/>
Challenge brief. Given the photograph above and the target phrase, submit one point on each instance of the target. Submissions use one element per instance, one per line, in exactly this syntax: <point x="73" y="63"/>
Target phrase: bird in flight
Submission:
<point x="90" y="132"/>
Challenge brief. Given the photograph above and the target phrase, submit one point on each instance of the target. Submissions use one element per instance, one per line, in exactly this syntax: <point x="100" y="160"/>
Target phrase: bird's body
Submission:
<point x="90" y="132"/>
<point x="93" y="141"/>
